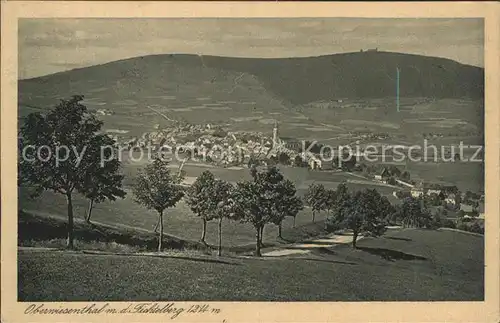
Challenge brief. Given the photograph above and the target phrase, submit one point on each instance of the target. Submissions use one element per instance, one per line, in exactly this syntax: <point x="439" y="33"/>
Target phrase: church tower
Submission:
<point x="275" y="134"/>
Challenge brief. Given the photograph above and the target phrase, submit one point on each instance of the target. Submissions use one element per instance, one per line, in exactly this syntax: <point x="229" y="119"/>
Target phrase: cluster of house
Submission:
<point x="371" y="136"/>
<point x="224" y="148"/>
<point x="451" y="198"/>
<point x="230" y="148"/>
<point x="104" y="112"/>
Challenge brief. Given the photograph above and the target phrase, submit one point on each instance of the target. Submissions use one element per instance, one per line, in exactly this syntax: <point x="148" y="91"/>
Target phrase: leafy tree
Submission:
<point x="223" y="198"/>
<point x="433" y="199"/>
<point x="437" y="220"/>
<point x="414" y="213"/>
<point x="476" y="228"/>
<point x="363" y="214"/>
<point x="341" y="202"/>
<point x="272" y="160"/>
<point x="103" y="179"/>
<point x="316" y="198"/>
<point x="199" y="197"/>
<point x="34" y="189"/>
<point x="157" y="189"/>
<point x="255" y="201"/>
<point x="286" y="203"/>
<point x="69" y="129"/>
<point x="219" y="132"/>
<point x="394" y="171"/>
<point x="458" y="200"/>
<point x="387" y="210"/>
<point x="299" y="161"/>
<point x="253" y="161"/>
<point x="331" y="196"/>
<point x="405" y="176"/>
<point x="348" y="162"/>
<point x="283" y="158"/>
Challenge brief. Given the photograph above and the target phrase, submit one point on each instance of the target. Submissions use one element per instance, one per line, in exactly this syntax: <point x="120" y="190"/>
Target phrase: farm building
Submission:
<point x="383" y="175"/>
<point x="417" y="191"/>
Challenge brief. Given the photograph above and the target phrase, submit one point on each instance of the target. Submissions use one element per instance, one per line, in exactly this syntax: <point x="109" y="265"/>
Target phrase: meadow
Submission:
<point x="180" y="221"/>
<point x="408" y="265"/>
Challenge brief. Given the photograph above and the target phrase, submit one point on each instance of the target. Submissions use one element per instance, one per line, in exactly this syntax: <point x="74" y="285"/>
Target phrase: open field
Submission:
<point x="178" y="221"/>
<point x="408" y="265"/>
<point x="50" y="231"/>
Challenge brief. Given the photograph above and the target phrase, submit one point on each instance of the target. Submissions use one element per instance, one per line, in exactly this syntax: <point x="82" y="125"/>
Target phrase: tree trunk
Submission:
<point x="157" y="225"/>
<point x="70" y="242"/>
<point x="257" y="245"/>
<point x="354" y="238"/>
<point x="294" y="221"/>
<point x="279" y="231"/>
<point x="89" y="212"/>
<point x="314" y="215"/>
<point x="204" y="232"/>
<point x="160" y="237"/>
<point x="261" y="234"/>
<point x="220" y="237"/>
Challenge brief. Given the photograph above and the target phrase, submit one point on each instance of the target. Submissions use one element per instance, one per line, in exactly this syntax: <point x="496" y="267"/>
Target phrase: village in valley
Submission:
<point x="211" y="144"/>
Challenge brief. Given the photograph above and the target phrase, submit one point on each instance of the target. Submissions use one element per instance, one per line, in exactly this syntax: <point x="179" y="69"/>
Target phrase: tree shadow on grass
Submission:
<point x="206" y="260"/>
<point x="324" y="251"/>
<point x="391" y="255"/>
<point x="286" y="240"/>
<point x="398" y="238"/>
<point x="324" y="260"/>
<point x="318" y="242"/>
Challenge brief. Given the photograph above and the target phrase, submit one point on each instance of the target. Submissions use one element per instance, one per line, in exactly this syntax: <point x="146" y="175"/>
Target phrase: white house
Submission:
<point x="315" y="163"/>
<point x="416" y="192"/>
<point x="383" y="176"/>
<point x="466" y="208"/>
<point x="450" y="200"/>
<point x="433" y="191"/>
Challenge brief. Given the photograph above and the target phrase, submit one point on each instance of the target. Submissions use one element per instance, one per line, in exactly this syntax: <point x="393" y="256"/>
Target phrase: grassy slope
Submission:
<point x="412" y="265"/>
<point x="302" y="80"/>
<point x="52" y="231"/>
<point x="182" y="91"/>
<point x="179" y="221"/>
<point x="48" y="230"/>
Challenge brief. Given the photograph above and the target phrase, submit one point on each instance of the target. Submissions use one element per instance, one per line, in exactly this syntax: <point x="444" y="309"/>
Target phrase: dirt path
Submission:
<point x="306" y="247"/>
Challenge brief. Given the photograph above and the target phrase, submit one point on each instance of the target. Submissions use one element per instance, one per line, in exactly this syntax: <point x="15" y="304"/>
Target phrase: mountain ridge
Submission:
<point x="241" y="57"/>
<point x="346" y="75"/>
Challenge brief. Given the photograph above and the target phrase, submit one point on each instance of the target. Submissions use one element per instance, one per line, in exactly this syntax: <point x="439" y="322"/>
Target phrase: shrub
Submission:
<point x="447" y="223"/>
<point x="220" y="133"/>
<point x="476" y="228"/>
<point x="462" y="226"/>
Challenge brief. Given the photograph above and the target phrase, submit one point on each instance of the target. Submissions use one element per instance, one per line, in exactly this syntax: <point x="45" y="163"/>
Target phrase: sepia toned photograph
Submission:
<point x="257" y="159"/>
<point x="168" y="160"/>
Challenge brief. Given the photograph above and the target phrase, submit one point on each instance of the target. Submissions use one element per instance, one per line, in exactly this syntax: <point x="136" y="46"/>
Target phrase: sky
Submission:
<point x="48" y="46"/>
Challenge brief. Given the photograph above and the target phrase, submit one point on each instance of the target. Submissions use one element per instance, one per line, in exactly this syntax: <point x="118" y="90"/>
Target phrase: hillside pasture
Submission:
<point x="408" y="265"/>
<point x="179" y="221"/>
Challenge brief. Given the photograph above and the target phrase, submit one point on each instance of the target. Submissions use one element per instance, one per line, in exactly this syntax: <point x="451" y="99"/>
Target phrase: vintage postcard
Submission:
<point x="250" y="162"/>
